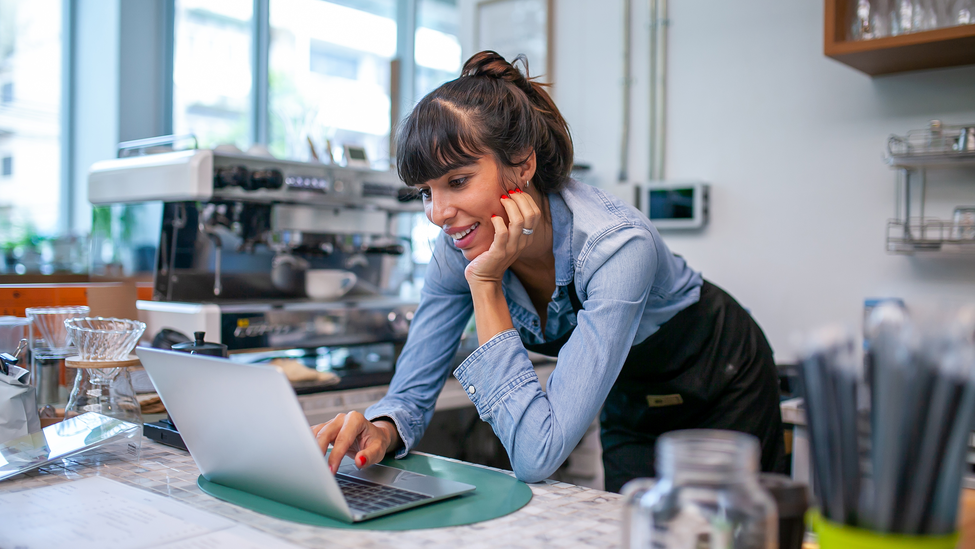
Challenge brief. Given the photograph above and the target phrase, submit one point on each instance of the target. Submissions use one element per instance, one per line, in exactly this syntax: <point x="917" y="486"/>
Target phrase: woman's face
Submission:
<point x="462" y="203"/>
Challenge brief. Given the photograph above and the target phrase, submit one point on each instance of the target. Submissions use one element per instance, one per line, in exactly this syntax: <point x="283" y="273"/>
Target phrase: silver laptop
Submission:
<point x="245" y="429"/>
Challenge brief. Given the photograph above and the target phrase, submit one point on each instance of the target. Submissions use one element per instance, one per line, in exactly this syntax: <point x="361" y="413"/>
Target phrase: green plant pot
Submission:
<point x="840" y="536"/>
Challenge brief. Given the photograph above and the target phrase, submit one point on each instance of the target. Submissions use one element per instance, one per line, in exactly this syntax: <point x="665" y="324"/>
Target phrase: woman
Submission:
<point x="555" y="266"/>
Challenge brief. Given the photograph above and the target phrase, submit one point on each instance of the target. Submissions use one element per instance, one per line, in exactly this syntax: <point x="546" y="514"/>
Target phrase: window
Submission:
<point x="329" y="67"/>
<point x="212" y="71"/>
<point x="30" y="125"/>
<point x="437" y="48"/>
<point x="331" y="63"/>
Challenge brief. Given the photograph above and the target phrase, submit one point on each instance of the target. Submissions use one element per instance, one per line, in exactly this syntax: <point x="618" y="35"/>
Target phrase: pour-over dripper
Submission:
<point x="103" y="384"/>
<point x="50" y="322"/>
<point x="104" y="339"/>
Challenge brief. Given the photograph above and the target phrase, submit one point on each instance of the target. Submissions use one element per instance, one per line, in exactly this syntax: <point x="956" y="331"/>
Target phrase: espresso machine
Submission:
<point x="230" y="239"/>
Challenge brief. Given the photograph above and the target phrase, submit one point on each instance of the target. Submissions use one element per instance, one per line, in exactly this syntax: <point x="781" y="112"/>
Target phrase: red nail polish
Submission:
<point x="493" y="216"/>
<point x="517" y="190"/>
<point x="360" y="461"/>
<point x="503" y="197"/>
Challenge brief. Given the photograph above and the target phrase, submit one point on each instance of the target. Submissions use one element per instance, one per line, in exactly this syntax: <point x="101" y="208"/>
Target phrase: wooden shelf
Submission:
<point x="947" y="47"/>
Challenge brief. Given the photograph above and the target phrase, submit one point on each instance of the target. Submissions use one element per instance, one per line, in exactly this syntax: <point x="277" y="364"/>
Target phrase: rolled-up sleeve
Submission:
<point x="424" y="365"/>
<point x="539" y="428"/>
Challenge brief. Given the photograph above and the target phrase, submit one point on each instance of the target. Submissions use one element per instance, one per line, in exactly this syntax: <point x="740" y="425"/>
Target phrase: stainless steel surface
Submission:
<point x="294" y="217"/>
<point x="45" y="372"/>
<point x="233" y="237"/>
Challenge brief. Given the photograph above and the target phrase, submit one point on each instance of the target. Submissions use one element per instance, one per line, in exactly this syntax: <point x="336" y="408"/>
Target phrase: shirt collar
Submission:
<point x="561" y="239"/>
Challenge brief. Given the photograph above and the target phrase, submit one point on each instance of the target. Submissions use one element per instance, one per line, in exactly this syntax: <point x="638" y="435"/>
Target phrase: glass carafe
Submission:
<point x="107" y="391"/>
<point x="708" y="496"/>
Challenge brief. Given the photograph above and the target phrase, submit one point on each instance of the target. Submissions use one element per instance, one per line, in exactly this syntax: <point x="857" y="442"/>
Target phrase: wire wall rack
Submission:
<point x="937" y="144"/>
<point x="936" y="147"/>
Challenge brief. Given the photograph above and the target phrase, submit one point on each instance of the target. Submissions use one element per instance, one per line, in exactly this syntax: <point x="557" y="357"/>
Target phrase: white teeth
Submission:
<point x="458" y="236"/>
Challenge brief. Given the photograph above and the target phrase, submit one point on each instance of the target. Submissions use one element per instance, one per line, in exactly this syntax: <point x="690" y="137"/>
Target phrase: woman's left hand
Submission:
<point x="524" y="216"/>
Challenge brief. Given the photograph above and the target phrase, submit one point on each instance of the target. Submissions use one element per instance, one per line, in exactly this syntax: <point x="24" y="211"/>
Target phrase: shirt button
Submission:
<point x="471" y="390"/>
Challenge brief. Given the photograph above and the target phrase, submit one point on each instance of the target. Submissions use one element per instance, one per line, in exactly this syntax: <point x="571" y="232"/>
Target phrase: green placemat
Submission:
<point x="497" y="495"/>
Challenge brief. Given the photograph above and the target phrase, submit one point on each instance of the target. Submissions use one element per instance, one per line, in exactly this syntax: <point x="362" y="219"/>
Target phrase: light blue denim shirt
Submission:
<point x="629" y="284"/>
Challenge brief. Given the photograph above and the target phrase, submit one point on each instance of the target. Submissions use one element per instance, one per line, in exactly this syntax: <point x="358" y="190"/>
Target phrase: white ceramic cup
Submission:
<point x="325" y="284"/>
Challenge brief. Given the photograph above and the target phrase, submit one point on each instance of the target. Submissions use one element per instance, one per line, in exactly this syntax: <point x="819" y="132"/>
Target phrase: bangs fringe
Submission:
<point x="435" y="138"/>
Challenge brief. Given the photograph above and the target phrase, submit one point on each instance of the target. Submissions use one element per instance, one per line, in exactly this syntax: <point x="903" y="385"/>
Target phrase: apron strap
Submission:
<point x="552" y="348"/>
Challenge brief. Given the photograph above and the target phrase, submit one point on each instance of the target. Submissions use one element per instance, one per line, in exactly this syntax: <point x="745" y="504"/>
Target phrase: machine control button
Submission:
<point x="304" y="183"/>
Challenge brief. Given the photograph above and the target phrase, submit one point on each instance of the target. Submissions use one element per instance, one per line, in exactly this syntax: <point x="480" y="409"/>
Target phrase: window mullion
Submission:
<point x="261" y="44"/>
<point x="169" y="53"/>
<point x="405" y="48"/>
<point x="66" y="222"/>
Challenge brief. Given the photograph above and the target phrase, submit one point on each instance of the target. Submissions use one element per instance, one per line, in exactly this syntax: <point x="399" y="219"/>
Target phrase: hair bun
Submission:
<point x="490" y="64"/>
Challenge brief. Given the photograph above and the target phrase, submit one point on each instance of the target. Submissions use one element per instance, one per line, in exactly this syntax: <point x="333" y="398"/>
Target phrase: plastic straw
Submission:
<point x="944" y="510"/>
<point x="889" y="448"/>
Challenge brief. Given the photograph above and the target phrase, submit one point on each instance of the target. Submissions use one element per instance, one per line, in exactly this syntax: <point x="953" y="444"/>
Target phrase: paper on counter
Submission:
<point x="238" y="537"/>
<point x="97" y="512"/>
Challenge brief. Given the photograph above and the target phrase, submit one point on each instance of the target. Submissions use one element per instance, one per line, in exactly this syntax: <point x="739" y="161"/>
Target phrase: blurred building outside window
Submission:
<point x="30" y="133"/>
<point x="329" y="77"/>
<point x="212" y="77"/>
<point x="437" y="52"/>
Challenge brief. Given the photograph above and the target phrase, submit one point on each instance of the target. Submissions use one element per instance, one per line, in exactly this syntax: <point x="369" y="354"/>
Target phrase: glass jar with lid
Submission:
<point x="708" y="496"/>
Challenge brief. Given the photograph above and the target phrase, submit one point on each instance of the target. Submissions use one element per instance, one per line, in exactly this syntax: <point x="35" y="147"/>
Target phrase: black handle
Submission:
<point x="392" y="249"/>
<point x="6" y="361"/>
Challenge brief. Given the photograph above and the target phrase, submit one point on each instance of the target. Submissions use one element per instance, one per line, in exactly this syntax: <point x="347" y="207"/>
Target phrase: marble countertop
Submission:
<point x="559" y="514"/>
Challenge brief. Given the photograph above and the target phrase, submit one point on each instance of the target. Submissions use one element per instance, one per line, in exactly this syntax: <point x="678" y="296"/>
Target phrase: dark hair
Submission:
<point x="491" y="109"/>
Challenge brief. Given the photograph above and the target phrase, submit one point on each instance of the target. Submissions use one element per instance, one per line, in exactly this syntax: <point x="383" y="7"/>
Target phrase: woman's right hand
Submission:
<point x="353" y="435"/>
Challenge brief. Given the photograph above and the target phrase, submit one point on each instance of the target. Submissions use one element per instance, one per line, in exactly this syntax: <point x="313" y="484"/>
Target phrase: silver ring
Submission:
<point x="527" y="232"/>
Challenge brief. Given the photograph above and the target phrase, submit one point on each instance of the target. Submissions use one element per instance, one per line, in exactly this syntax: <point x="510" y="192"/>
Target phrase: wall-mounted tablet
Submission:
<point x="673" y="205"/>
<point x="355" y="156"/>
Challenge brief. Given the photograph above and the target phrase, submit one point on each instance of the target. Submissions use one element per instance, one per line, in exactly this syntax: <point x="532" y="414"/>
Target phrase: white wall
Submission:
<point x="791" y="141"/>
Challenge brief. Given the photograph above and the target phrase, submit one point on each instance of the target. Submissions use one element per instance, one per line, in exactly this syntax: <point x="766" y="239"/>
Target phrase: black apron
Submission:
<point x="708" y="367"/>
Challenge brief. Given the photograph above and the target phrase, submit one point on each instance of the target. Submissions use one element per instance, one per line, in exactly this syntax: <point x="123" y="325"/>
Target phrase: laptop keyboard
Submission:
<point x="370" y="497"/>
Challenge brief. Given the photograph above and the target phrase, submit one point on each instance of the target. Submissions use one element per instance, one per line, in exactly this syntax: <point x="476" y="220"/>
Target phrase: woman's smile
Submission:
<point x="463" y="237"/>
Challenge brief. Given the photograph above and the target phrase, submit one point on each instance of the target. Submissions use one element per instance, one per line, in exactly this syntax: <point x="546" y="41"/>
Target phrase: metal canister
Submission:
<point x="46" y="373"/>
